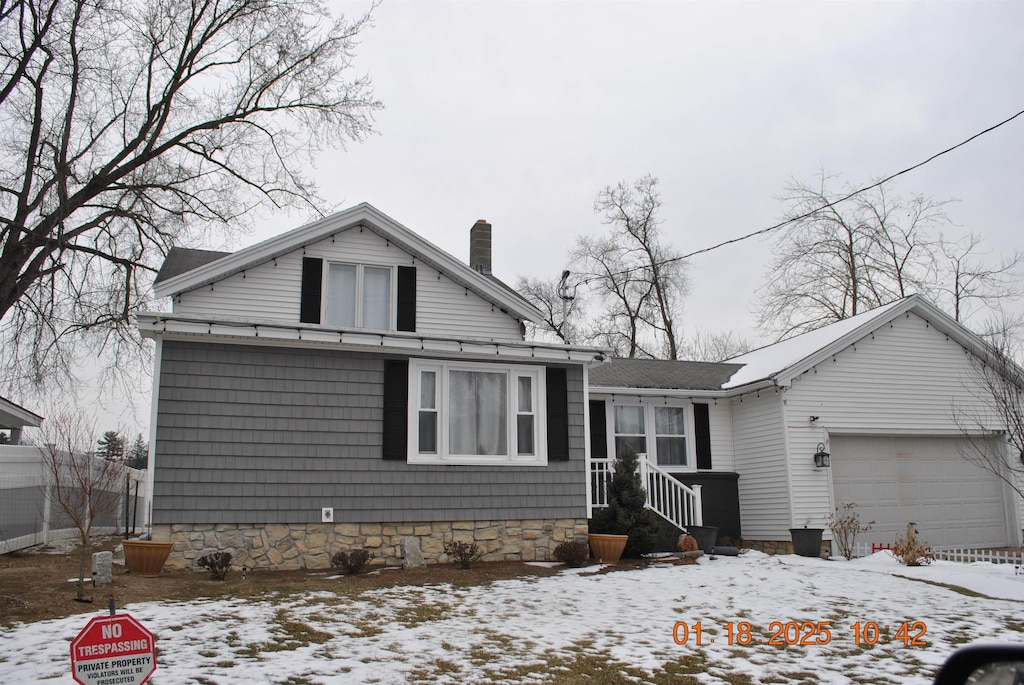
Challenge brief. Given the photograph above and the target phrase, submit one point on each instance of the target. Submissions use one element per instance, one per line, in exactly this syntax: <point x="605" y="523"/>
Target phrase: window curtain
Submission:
<point x="341" y="295"/>
<point x="478" y="413"/>
<point x="376" y="298"/>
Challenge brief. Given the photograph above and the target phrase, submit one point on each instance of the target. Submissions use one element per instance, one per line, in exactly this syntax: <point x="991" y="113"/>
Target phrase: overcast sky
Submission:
<point x="519" y="113"/>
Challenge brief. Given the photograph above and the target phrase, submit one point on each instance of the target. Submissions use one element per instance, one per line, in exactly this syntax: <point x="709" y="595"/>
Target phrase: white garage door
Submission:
<point x="925" y="480"/>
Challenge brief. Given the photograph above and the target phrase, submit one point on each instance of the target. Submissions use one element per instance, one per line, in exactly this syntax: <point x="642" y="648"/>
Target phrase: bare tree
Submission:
<point x="639" y="280"/>
<point x="966" y="281"/>
<point x="131" y="127"/>
<point x="839" y="259"/>
<point x="85" y="487"/>
<point x="993" y="430"/>
<point x="560" y="315"/>
<point x="708" y="346"/>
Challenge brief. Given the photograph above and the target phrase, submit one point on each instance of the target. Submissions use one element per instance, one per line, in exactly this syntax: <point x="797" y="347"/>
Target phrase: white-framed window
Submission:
<point x="656" y="429"/>
<point x="359" y="296"/>
<point x="473" y="413"/>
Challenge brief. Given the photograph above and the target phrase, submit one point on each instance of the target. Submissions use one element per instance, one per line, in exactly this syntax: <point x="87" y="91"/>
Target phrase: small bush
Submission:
<point x="909" y="551"/>
<point x="217" y="563"/>
<point x="845" y="525"/>
<point x="573" y="554"/>
<point x="352" y="561"/>
<point x="463" y="553"/>
<point x="627" y="512"/>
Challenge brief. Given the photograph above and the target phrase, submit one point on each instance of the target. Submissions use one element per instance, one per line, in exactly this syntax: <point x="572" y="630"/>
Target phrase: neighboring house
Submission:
<point x="14" y="418"/>
<point x="878" y="391"/>
<point x="348" y="383"/>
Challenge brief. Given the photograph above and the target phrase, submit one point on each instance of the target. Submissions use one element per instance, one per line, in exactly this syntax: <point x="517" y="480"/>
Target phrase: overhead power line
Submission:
<point x="811" y="213"/>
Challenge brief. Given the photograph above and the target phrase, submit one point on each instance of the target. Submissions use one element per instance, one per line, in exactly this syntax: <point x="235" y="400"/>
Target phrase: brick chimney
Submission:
<point x="480" y="247"/>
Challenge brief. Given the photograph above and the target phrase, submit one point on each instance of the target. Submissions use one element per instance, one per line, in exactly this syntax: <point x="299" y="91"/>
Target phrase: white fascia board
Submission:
<point x="683" y="393"/>
<point x="783" y="376"/>
<point x="361" y="215"/>
<point x="220" y="330"/>
<point x="914" y="304"/>
<point x="672" y="393"/>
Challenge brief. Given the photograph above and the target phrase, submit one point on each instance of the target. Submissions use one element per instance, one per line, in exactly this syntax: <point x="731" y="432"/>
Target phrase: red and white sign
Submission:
<point x="113" y="650"/>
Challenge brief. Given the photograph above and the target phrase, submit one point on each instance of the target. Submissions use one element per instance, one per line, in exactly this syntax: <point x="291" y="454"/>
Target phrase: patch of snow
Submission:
<point x="467" y="634"/>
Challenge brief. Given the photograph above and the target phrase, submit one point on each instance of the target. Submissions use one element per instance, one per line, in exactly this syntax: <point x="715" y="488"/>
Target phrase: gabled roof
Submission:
<point x="14" y="416"/>
<point x="661" y="373"/>
<point x="783" y="361"/>
<point x="364" y="215"/>
<point x="775" y="364"/>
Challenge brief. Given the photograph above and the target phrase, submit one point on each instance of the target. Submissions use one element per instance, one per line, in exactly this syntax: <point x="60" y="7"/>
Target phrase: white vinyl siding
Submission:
<point x="761" y="462"/>
<point x="902" y="380"/>
<point x="272" y="290"/>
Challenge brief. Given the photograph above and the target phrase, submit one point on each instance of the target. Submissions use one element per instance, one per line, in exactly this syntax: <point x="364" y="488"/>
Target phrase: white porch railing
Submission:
<point x="675" y="502"/>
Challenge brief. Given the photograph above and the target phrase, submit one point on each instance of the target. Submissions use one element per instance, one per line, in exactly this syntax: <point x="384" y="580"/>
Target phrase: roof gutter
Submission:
<point x="158" y="325"/>
<point x="685" y="392"/>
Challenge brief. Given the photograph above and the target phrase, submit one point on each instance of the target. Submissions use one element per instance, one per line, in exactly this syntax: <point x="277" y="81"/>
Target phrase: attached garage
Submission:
<point x="896" y="480"/>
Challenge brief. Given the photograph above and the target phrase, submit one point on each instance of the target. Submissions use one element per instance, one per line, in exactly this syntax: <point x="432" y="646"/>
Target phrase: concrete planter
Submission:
<point x="146" y="557"/>
<point x="607" y="548"/>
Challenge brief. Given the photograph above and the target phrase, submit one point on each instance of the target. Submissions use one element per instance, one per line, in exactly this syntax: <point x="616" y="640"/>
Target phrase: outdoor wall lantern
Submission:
<point x="821" y="457"/>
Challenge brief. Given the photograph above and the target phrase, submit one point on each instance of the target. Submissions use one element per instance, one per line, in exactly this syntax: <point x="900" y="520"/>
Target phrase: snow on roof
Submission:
<point x="770" y="360"/>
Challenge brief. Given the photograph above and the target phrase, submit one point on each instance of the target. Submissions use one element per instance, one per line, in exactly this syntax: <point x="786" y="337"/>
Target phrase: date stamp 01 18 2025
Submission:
<point x="782" y="634"/>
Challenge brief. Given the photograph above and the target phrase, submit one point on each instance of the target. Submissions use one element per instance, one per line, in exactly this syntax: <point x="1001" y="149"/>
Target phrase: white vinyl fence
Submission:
<point x="965" y="555"/>
<point x="28" y="515"/>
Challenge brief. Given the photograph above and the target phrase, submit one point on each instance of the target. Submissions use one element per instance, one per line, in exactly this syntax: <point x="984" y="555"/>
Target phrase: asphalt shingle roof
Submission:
<point x="662" y="374"/>
<point x="182" y="259"/>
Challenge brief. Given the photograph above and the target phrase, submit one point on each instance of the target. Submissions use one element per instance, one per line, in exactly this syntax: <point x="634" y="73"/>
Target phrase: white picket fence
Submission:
<point x="963" y="555"/>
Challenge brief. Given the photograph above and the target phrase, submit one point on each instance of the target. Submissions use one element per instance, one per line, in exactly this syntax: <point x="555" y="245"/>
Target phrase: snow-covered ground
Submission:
<point x="628" y="622"/>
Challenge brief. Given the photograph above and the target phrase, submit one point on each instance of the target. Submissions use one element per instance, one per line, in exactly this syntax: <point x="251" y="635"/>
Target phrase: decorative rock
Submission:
<point x="412" y="557"/>
<point x="101" y="568"/>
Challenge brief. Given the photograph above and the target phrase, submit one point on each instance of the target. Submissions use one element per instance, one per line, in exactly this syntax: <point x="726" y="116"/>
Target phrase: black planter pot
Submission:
<point x="806" y="541"/>
<point x="704" y="535"/>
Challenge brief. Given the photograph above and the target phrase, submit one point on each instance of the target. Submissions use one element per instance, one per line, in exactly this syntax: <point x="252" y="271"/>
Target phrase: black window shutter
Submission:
<point x="558" y="414"/>
<point x="407" y="298"/>
<point x="396" y="401"/>
<point x="312" y="279"/>
<point x="702" y="435"/>
<point x="598" y="430"/>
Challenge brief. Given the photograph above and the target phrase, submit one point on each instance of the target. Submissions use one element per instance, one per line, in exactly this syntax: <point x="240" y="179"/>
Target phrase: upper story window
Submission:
<point x="359" y="296"/>
<point x="476" y="413"/>
<point x="659" y="431"/>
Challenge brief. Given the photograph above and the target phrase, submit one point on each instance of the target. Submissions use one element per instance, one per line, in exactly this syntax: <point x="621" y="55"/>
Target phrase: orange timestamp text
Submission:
<point x="788" y="633"/>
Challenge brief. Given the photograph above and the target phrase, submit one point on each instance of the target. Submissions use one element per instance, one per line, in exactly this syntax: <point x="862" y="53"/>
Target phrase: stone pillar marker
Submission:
<point x="101" y="568"/>
<point x="412" y="557"/>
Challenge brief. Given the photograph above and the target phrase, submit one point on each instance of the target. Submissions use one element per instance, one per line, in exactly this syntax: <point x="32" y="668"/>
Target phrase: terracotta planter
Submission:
<point x="146" y="557"/>
<point x="607" y="548"/>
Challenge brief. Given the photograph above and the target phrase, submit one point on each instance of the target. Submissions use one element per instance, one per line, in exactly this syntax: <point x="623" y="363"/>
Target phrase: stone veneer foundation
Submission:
<point x="310" y="545"/>
<point x="783" y="546"/>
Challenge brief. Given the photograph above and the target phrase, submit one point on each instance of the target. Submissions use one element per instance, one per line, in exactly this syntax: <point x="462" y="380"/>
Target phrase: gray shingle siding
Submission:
<point x="253" y="434"/>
